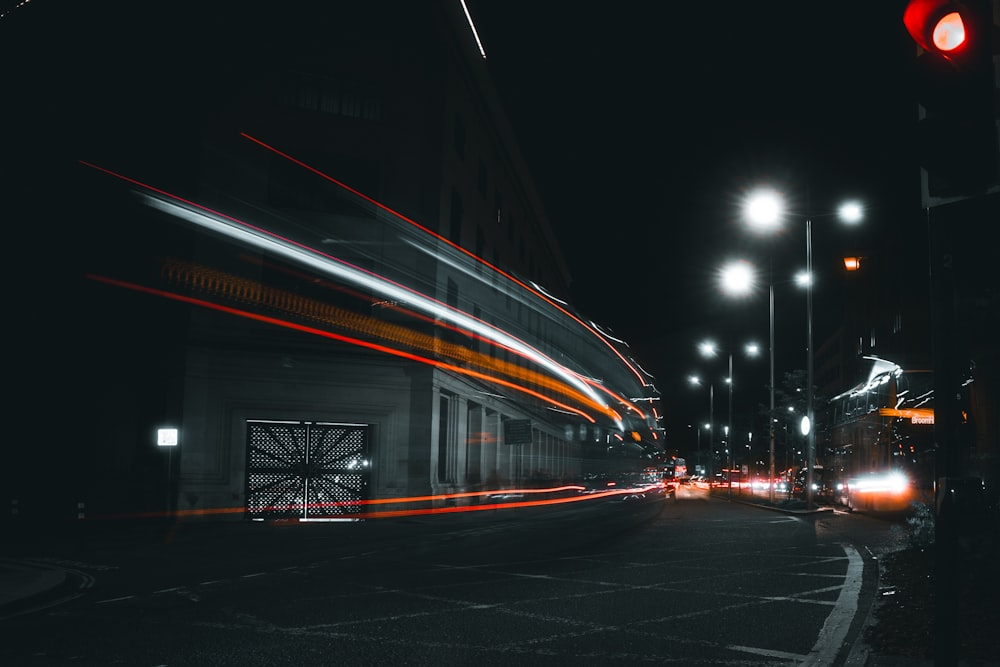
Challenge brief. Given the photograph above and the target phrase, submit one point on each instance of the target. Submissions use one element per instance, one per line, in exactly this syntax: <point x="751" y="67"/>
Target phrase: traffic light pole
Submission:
<point x="959" y="153"/>
<point x="946" y="421"/>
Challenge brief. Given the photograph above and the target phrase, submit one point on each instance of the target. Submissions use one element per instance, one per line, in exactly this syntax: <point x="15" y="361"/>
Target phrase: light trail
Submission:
<point x="339" y="337"/>
<point x="265" y="240"/>
<point x="582" y="496"/>
<point x="228" y="286"/>
<point x="554" y="303"/>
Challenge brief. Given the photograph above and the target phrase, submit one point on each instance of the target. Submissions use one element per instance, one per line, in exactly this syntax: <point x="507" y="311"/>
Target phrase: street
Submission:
<point x="704" y="580"/>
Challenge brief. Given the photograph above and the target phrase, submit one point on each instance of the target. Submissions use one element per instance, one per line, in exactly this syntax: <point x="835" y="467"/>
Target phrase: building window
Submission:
<point x="455" y="228"/>
<point x="290" y="186"/>
<point x="452" y="297"/>
<point x="459" y="136"/>
<point x="474" y="444"/>
<point x="330" y="95"/>
<point x="480" y="343"/>
<point x="451" y="334"/>
<point x="483" y="179"/>
<point x="444" y="453"/>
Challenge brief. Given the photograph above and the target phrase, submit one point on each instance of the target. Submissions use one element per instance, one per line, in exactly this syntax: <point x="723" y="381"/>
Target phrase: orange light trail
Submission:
<point x="338" y="337"/>
<point x="221" y="283"/>
<point x="314" y="253"/>
<point x="385" y="514"/>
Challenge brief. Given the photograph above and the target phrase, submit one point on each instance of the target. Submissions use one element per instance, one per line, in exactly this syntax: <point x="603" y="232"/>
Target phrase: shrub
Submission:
<point x="921" y="525"/>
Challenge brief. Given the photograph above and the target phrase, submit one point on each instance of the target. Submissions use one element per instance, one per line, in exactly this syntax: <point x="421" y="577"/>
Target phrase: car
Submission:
<point x="827" y="486"/>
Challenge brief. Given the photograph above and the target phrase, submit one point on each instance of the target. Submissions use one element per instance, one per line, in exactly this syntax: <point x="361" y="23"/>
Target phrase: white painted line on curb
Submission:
<point x="831" y="636"/>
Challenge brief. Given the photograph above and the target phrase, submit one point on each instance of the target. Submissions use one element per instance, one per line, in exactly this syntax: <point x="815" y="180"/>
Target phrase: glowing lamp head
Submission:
<point x="763" y="210"/>
<point x="737" y="278"/>
<point x="851" y="212"/>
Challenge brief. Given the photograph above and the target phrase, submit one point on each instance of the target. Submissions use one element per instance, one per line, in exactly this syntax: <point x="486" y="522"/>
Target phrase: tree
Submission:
<point x="790" y="403"/>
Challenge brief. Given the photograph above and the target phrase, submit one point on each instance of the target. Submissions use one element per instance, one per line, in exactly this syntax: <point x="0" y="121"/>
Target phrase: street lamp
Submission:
<point x="709" y="349"/>
<point x="694" y="379"/>
<point x="737" y="279"/>
<point x="764" y="211"/>
<point x="698" y="459"/>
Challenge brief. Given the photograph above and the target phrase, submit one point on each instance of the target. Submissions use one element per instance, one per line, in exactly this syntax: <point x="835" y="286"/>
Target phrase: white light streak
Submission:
<point x="353" y="275"/>
<point x="475" y="33"/>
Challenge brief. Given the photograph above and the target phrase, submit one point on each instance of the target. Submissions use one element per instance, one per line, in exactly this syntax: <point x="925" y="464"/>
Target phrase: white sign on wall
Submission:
<point x="166" y="437"/>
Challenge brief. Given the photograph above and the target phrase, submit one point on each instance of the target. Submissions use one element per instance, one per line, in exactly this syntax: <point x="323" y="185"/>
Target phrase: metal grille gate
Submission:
<point x="306" y="470"/>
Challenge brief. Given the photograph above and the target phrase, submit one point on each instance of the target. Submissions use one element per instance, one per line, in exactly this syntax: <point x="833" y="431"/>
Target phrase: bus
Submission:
<point x="882" y="439"/>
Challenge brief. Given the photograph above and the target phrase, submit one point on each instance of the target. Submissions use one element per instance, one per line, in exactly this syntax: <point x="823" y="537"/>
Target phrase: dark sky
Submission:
<point x="643" y="125"/>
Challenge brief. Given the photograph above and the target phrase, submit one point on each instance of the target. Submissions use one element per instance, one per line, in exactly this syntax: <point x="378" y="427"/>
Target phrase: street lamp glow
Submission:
<point x="851" y="212"/>
<point x="752" y="349"/>
<point x="764" y="209"/>
<point x="707" y="348"/>
<point x="763" y="212"/>
<point x="737" y="278"/>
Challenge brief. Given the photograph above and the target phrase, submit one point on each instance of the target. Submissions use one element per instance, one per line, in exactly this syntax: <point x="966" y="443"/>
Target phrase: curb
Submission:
<point x="28" y="585"/>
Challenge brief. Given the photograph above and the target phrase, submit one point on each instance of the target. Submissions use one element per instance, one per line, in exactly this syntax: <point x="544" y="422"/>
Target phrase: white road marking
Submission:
<point x="831" y="636"/>
<point x="125" y="597"/>
<point x="767" y="652"/>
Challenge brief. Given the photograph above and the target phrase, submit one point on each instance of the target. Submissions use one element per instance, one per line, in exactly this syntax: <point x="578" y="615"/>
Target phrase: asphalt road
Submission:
<point x="700" y="581"/>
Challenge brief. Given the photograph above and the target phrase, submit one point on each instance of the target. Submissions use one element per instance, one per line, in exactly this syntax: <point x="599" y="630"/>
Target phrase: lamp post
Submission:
<point x="770" y="412"/>
<point x="729" y="424"/>
<point x="764" y="211"/>
<point x="709" y="349"/>
<point x="694" y="379"/>
<point x="698" y="427"/>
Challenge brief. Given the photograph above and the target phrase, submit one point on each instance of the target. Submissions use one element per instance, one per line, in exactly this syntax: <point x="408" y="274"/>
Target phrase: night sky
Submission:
<point x="644" y="124"/>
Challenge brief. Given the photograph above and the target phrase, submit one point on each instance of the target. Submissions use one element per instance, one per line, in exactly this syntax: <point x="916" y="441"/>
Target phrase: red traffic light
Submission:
<point x="936" y="25"/>
<point x="954" y="84"/>
<point x="949" y="32"/>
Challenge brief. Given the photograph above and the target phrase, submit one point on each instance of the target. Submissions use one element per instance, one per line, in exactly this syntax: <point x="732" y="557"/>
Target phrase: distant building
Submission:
<point x="934" y="318"/>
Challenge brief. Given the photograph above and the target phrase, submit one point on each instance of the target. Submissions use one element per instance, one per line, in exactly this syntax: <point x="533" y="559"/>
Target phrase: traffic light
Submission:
<point x="955" y="87"/>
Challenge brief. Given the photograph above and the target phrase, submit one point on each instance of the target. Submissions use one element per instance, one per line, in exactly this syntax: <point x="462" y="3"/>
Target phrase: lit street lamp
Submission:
<point x="694" y="379"/>
<point x="764" y="211"/>
<point x="708" y="349"/>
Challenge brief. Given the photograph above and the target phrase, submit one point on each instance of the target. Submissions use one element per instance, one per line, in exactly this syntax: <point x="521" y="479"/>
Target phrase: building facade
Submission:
<point x="314" y="253"/>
